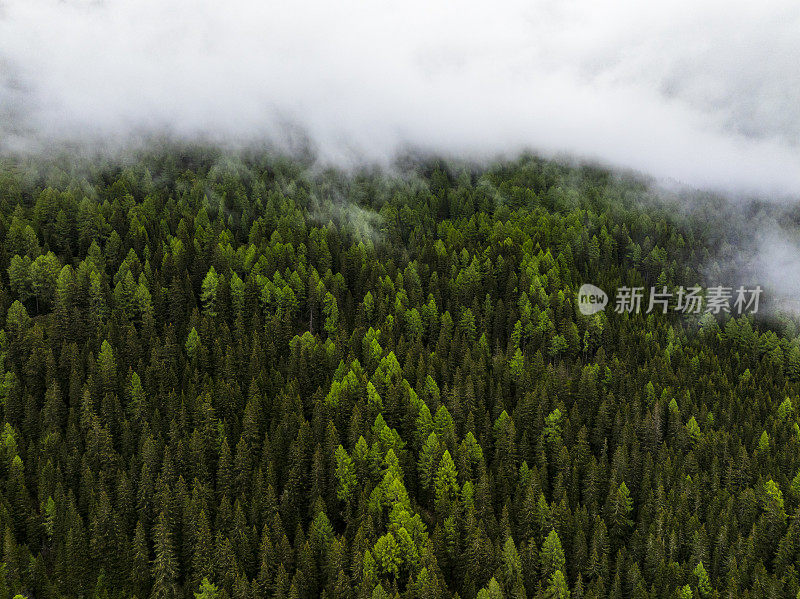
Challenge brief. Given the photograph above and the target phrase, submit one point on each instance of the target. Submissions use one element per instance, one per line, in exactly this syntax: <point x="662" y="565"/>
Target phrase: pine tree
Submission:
<point x="165" y="567"/>
<point x="140" y="563"/>
<point x="620" y="511"/>
<point x="345" y="475"/>
<point x="193" y="344"/>
<point x="703" y="583"/>
<point x="551" y="555"/>
<point x="207" y="590"/>
<point x="557" y="587"/>
<point x="208" y="293"/>
<point x="446" y="485"/>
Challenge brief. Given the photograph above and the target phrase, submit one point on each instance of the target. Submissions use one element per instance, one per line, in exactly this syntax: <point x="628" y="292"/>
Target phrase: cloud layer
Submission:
<point x="703" y="93"/>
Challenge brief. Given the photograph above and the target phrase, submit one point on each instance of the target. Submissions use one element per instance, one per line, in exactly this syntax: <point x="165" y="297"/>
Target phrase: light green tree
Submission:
<point x="345" y="474"/>
<point x="207" y="590"/>
<point x="785" y="410"/>
<point x="19" y="277"/>
<point x="44" y="277"/>
<point x="237" y="293"/>
<point x="193" y="343"/>
<point x="621" y="508"/>
<point x="106" y="365"/>
<point x="446" y="484"/>
<point x="331" y="311"/>
<point x="703" y="582"/>
<point x="387" y="554"/>
<point x="693" y="430"/>
<point x="551" y="556"/>
<point x="557" y="587"/>
<point x="208" y="292"/>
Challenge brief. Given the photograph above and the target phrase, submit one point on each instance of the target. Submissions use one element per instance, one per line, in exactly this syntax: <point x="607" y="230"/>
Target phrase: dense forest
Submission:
<point x="245" y="376"/>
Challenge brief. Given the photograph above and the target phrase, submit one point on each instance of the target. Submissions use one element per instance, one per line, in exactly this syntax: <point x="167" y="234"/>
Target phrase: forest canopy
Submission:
<point x="248" y="376"/>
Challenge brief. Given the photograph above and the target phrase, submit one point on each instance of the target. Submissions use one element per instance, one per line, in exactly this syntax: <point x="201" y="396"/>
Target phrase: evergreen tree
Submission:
<point x="165" y="566"/>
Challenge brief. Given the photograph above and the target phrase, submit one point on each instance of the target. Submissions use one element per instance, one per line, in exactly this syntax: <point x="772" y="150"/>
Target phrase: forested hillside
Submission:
<point x="249" y="377"/>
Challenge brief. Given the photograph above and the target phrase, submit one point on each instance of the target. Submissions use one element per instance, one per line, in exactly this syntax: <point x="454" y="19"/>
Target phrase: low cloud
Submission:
<point x="700" y="93"/>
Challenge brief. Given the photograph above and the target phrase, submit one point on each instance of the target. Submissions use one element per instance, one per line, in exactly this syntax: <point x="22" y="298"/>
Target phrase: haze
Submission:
<point x="699" y="93"/>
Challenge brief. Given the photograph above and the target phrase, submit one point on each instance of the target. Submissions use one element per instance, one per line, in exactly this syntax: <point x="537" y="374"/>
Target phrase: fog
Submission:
<point x="698" y="93"/>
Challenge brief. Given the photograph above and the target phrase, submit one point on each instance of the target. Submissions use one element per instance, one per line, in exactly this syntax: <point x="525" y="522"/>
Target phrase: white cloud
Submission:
<point x="701" y="92"/>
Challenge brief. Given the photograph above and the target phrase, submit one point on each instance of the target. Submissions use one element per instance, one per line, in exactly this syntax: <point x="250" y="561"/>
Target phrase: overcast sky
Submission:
<point x="700" y="92"/>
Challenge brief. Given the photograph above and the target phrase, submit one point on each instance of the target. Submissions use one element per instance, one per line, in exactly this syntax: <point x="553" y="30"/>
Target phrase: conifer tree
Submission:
<point x="164" y="567"/>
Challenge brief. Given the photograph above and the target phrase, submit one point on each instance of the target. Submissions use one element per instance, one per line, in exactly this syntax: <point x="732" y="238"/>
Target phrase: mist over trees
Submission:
<point x="244" y="377"/>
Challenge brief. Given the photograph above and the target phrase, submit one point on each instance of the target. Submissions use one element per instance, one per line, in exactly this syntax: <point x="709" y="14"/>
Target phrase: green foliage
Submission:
<point x="551" y="556"/>
<point x="387" y="554"/>
<point x="17" y="319"/>
<point x="207" y="590"/>
<point x="208" y="292"/>
<point x="693" y="429"/>
<point x="193" y="343"/>
<point x="19" y="277"/>
<point x="552" y="427"/>
<point x="557" y="587"/>
<point x="242" y="377"/>
<point x="44" y="272"/>
<point x="516" y="364"/>
<point x="165" y="566"/>
<point x="621" y="509"/>
<point x="237" y="293"/>
<point x="446" y="484"/>
<point x="704" y="588"/>
<point x="785" y="410"/>
<point x="331" y="311"/>
<point x="345" y="474"/>
<point x="106" y="364"/>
